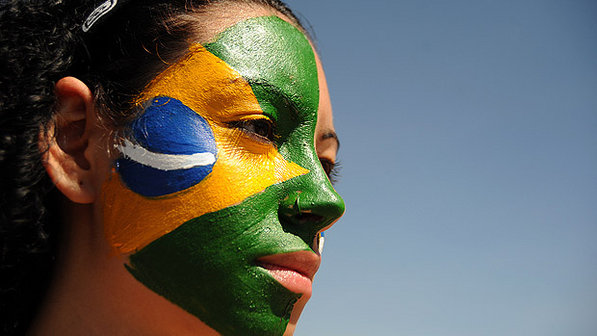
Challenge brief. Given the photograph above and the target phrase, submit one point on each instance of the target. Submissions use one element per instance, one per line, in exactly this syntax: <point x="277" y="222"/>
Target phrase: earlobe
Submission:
<point x="65" y="142"/>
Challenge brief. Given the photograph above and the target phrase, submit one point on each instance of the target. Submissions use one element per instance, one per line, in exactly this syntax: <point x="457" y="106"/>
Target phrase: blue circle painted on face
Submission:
<point x="172" y="148"/>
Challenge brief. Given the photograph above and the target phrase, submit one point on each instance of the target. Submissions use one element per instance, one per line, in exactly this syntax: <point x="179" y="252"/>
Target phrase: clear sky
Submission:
<point x="469" y="154"/>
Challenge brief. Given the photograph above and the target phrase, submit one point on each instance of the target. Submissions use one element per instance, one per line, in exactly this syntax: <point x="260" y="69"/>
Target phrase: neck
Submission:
<point x="92" y="293"/>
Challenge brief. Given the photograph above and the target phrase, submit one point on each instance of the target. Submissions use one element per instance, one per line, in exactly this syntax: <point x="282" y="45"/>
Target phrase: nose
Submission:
<point x="312" y="206"/>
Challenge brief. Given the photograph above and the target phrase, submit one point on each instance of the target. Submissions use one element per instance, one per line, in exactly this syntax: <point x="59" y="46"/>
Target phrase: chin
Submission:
<point x="296" y="313"/>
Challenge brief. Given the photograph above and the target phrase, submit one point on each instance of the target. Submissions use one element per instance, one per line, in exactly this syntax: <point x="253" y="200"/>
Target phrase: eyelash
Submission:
<point x="332" y="169"/>
<point x="262" y="130"/>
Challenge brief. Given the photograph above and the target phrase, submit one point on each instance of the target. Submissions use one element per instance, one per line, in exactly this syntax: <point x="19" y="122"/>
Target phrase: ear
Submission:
<point x="65" y="142"/>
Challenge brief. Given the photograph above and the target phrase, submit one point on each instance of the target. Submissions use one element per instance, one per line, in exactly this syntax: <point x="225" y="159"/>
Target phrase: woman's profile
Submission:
<point x="166" y="167"/>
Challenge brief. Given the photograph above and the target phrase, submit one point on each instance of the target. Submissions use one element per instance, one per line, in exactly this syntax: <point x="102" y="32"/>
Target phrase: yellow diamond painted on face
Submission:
<point x="243" y="168"/>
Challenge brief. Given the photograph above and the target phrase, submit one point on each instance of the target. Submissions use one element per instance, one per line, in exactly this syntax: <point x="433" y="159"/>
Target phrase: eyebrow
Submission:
<point x="269" y="86"/>
<point x="331" y="135"/>
<point x="276" y="90"/>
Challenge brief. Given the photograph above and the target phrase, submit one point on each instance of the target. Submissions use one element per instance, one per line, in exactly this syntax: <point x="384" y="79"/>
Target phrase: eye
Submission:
<point x="332" y="169"/>
<point x="261" y="129"/>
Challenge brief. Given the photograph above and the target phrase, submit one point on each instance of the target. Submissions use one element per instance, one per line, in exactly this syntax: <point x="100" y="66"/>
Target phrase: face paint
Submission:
<point x="199" y="195"/>
<point x="175" y="150"/>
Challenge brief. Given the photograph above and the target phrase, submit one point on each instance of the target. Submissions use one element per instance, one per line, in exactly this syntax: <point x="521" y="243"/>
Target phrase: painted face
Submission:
<point x="219" y="195"/>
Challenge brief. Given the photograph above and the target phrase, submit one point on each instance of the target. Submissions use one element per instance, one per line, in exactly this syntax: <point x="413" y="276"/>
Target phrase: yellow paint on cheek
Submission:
<point x="243" y="168"/>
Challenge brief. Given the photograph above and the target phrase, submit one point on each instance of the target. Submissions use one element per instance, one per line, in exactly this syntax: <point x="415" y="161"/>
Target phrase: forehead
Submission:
<point x="274" y="57"/>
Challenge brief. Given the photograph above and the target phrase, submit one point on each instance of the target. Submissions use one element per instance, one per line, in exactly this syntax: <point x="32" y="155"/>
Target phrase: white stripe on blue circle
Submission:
<point x="170" y="148"/>
<point x="165" y="161"/>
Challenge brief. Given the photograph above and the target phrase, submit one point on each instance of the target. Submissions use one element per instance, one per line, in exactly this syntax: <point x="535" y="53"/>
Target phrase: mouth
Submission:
<point x="293" y="270"/>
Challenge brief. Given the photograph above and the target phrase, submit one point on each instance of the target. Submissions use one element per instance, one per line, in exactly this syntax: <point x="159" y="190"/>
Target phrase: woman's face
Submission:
<point x="219" y="194"/>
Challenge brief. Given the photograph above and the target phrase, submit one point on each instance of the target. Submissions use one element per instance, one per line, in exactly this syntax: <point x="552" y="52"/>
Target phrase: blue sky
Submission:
<point x="469" y="154"/>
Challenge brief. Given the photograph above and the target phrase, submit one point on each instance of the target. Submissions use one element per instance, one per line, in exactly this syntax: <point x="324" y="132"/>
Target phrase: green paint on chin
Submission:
<point x="207" y="267"/>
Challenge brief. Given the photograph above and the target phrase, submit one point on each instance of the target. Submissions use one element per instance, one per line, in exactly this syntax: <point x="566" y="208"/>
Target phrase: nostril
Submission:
<point x="306" y="217"/>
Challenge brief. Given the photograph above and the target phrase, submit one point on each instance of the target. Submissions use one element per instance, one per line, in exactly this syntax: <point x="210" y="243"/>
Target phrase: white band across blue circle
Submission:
<point x="171" y="149"/>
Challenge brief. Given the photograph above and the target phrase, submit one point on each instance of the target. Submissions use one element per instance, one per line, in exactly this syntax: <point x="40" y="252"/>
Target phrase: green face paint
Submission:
<point x="208" y="265"/>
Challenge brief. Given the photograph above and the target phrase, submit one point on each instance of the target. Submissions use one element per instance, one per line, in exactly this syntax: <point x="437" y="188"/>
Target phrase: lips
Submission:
<point x="294" y="270"/>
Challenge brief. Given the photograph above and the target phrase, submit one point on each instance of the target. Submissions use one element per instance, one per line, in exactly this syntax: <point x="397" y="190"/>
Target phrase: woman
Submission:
<point x="187" y="148"/>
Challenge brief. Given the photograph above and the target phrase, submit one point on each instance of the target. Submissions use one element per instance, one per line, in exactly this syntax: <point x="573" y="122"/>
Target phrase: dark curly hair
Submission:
<point x="41" y="42"/>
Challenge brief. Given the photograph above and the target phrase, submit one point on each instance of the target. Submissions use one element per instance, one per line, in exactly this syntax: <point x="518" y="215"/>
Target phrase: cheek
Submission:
<point x="146" y="200"/>
<point x="172" y="148"/>
<point x="248" y="166"/>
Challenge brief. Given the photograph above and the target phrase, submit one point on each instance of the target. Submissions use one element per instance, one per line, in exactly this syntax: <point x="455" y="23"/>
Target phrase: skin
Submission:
<point x="141" y="300"/>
